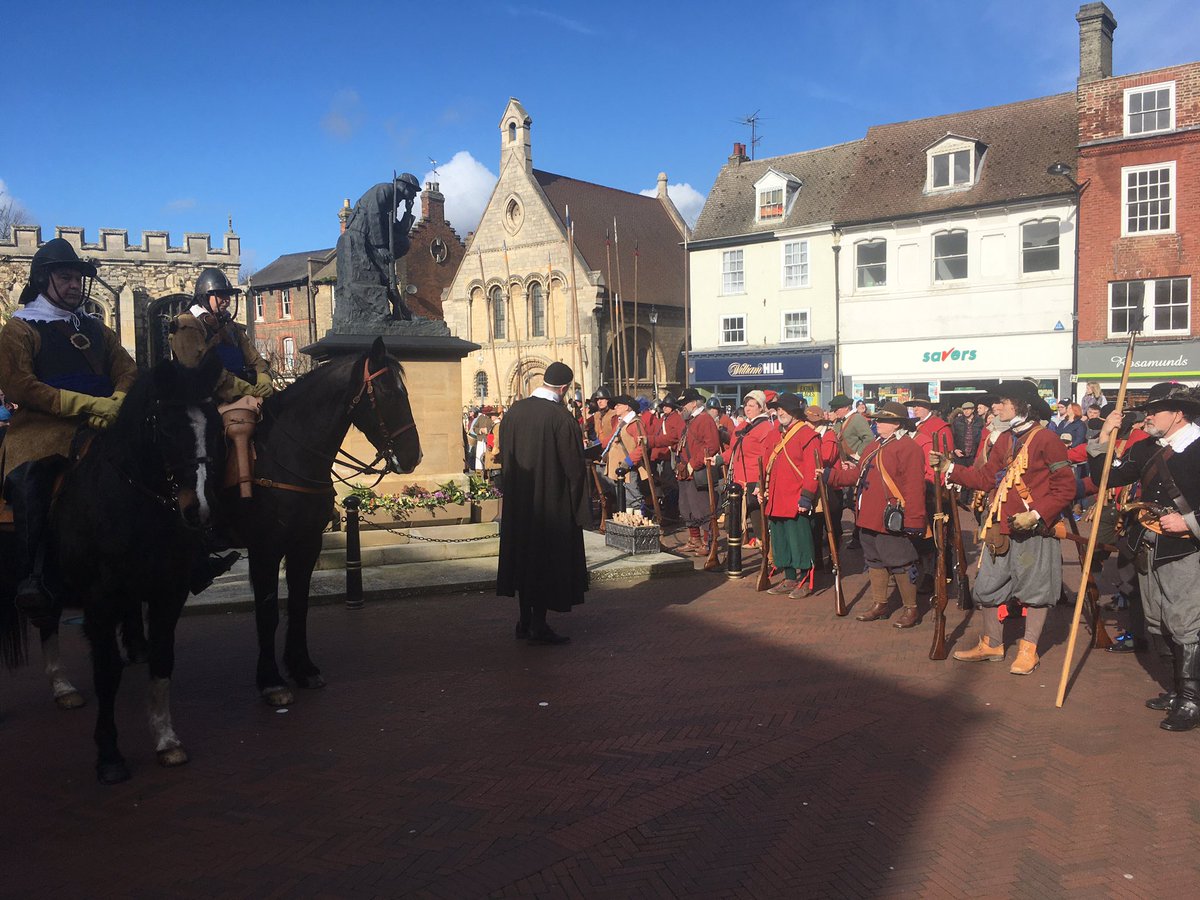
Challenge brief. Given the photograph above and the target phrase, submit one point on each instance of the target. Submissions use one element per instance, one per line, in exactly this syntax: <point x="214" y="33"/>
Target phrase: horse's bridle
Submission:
<point x="169" y="500"/>
<point x="342" y="457"/>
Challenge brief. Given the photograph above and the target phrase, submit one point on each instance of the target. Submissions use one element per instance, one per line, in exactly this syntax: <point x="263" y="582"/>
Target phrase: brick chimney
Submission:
<point x="344" y="215"/>
<point x="433" y="203"/>
<point x="1096" y="27"/>
<point x="739" y="154"/>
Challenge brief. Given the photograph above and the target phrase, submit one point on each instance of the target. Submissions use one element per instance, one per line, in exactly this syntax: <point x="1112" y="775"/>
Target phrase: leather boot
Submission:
<point x="879" y="594"/>
<point x="984" y="651"/>
<point x="1184" y="714"/>
<point x="30" y="488"/>
<point x="908" y="596"/>
<point x="784" y="587"/>
<point x="1027" y="658"/>
<point x="1164" y="647"/>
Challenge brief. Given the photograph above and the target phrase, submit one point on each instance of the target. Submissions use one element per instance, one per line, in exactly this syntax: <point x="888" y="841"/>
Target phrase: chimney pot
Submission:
<point x="739" y="153"/>
<point x="1096" y="27"/>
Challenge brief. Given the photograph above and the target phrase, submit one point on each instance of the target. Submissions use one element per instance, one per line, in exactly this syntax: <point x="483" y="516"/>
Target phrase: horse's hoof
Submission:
<point x="311" y="682"/>
<point x="278" y="696"/>
<point x="172" y="756"/>
<point x="71" y="700"/>
<point x="112" y="773"/>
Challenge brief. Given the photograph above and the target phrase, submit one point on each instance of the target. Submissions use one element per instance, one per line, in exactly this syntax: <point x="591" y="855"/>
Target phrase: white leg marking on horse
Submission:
<point x="159" y="704"/>
<point x="54" y="670"/>
<point x="199" y="429"/>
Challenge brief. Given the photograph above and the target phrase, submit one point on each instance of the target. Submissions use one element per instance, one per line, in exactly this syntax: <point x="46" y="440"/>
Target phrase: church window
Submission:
<point x="481" y="385"/>
<point x="498" y="314"/>
<point x="537" y="310"/>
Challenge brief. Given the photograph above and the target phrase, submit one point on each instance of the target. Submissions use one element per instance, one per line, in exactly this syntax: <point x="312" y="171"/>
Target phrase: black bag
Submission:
<point x="893" y="517"/>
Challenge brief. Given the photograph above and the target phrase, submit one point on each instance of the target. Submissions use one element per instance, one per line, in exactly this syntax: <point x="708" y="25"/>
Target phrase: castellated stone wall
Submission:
<point x="138" y="285"/>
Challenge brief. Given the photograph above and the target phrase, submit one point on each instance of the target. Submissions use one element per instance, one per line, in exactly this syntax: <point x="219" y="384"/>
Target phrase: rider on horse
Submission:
<point x="244" y="383"/>
<point x="67" y="372"/>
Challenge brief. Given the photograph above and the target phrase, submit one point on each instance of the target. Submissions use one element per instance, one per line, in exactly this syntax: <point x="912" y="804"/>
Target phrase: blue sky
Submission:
<point x="174" y="116"/>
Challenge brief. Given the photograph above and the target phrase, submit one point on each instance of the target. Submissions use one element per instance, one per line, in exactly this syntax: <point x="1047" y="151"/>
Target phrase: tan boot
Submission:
<point x="1027" y="658"/>
<point x="880" y="591"/>
<point x="981" y="652"/>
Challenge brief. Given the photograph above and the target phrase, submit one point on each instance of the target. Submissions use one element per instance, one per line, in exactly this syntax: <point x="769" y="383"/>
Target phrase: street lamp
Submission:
<point x="1062" y="170"/>
<point x="654" y="346"/>
<point x="837" y="311"/>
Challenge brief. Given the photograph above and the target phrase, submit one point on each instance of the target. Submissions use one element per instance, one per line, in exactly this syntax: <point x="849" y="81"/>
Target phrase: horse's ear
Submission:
<point x="378" y="355"/>
<point x="166" y="377"/>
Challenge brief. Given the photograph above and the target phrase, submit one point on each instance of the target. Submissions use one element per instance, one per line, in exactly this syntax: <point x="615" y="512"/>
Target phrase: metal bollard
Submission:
<point x="734" y="528"/>
<point x="354" y="590"/>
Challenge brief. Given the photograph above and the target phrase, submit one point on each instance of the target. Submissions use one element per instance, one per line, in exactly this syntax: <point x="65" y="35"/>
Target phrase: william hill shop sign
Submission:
<point x="722" y="368"/>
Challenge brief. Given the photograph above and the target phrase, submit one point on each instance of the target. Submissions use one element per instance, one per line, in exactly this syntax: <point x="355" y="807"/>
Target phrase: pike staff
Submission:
<point x="490" y="313"/>
<point x="1101" y="497"/>
<point x="612" y="313"/>
<point x="550" y="304"/>
<point x="516" y="325"/>
<point x="637" y="371"/>
<point x="621" y="308"/>
<point x="577" y="353"/>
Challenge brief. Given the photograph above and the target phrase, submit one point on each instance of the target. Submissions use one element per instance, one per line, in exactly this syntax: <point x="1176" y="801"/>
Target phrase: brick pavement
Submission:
<point x="699" y="740"/>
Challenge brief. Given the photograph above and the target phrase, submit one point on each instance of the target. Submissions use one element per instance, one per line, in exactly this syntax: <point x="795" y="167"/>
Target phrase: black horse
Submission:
<point x="126" y="528"/>
<point x="296" y="445"/>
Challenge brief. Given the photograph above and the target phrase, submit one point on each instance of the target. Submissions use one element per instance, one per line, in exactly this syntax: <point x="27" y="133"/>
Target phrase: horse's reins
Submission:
<point x="360" y="468"/>
<point x="169" y="501"/>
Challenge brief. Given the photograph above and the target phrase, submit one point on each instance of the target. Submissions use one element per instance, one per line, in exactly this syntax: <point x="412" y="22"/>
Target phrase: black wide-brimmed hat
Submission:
<point x="689" y="395"/>
<point x="891" y="411"/>
<point x="1171" y="395"/>
<point x="1027" y="392"/>
<point x="920" y="401"/>
<point x="792" y="404"/>
<point x="624" y="399"/>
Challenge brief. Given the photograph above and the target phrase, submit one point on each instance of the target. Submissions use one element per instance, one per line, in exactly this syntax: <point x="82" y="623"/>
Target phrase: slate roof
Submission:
<point x="291" y="268"/>
<point x="731" y="205"/>
<point x="1022" y="139"/>
<point x="641" y="220"/>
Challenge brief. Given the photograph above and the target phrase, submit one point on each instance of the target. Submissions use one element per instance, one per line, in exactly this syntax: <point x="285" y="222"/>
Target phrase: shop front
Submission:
<point x="731" y="374"/>
<point x="952" y="370"/>
<point x="1153" y="361"/>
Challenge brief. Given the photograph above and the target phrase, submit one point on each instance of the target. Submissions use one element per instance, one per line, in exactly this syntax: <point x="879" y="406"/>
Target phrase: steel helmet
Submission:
<point x="55" y="254"/>
<point x="602" y="393"/>
<point x="213" y="281"/>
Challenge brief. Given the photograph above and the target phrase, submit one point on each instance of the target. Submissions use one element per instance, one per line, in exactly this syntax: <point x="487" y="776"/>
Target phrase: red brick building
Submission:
<point x="1139" y="165"/>
<point x="434" y="255"/>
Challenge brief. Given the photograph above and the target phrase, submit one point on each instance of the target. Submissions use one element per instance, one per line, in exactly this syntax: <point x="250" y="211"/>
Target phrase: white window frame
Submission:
<point x="285" y="303"/>
<point x="965" y="255"/>
<point x="1044" y="221"/>
<point x="480" y="376"/>
<point x="289" y="354"/>
<point x="1126" y="172"/>
<point x="260" y="307"/>
<point x="762" y="193"/>
<point x="726" y="326"/>
<point x="952" y="184"/>
<point x="803" y="265"/>
<point x="733" y="280"/>
<point x="1148" y="327"/>
<point x="806" y="314"/>
<point x="1146" y="89"/>
<point x="858" y="267"/>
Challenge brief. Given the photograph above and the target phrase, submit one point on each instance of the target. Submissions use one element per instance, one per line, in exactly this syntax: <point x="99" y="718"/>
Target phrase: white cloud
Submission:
<point x="180" y="204"/>
<point x="686" y="198"/>
<point x="467" y="184"/>
<point x="345" y="115"/>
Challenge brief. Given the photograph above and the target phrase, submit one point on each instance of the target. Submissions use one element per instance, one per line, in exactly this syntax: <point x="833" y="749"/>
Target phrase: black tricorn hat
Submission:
<point x="1171" y="395"/>
<point x="1026" y="391"/>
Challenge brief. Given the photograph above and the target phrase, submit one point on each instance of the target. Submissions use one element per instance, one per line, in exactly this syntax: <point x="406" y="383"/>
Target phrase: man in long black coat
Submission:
<point x="546" y="506"/>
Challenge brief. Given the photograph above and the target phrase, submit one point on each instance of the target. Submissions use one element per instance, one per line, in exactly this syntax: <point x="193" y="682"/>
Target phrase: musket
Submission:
<point x="1100" y="638"/>
<point x="713" y="562"/>
<point x="1101" y="497"/>
<point x="959" y="560"/>
<point x="839" y="598"/>
<point x="603" y="497"/>
<point x="650" y="477"/>
<point x="764" y="566"/>
<point x="938" y="649"/>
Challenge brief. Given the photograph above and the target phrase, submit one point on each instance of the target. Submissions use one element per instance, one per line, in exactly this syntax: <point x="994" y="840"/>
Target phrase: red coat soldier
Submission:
<point x="889" y="497"/>
<point x="699" y="444"/>
<point x="1030" y="483"/>
<point x="791" y="496"/>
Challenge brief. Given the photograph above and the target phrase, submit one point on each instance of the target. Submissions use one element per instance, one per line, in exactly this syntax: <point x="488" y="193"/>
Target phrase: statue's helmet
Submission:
<point x="213" y="281"/>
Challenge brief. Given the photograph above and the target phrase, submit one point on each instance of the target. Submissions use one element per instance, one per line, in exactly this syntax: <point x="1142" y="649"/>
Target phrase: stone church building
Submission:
<point x="513" y="296"/>
<point x="138" y="288"/>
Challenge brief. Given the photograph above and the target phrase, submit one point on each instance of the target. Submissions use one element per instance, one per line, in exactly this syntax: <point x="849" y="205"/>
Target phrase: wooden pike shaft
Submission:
<point x="487" y="308"/>
<point x="1101" y="496"/>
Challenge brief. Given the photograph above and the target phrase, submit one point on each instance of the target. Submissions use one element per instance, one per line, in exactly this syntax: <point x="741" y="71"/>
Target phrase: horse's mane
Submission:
<point x="303" y="388"/>
<point x="168" y="382"/>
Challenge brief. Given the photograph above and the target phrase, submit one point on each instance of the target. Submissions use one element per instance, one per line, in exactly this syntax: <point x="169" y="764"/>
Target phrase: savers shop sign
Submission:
<point x="954" y="354"/>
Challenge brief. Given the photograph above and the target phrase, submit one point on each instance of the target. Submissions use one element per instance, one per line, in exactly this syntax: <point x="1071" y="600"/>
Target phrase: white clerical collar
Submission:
<point x="42" y="310"/>
<point x="1182" y="439"/>
<point x="546" y="394"/>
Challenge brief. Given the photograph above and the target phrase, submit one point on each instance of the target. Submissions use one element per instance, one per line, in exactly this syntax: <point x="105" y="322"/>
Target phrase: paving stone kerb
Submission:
<point x="695" y="739"/>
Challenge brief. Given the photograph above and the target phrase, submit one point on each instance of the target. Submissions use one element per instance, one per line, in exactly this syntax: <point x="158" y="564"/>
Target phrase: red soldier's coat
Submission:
<point x="755" y="445"/>
<point x="664" y="435"/>
<point x="902" y="458"/>
<point x="784" y="485"/>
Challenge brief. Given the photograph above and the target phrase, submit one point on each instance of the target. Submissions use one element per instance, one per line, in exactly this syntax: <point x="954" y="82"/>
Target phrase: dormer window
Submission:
<point x="952" y="163"/>
<point x="1150" y="109"/>
<point x="770" y="204"/>
<point x="775" y="192"/>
